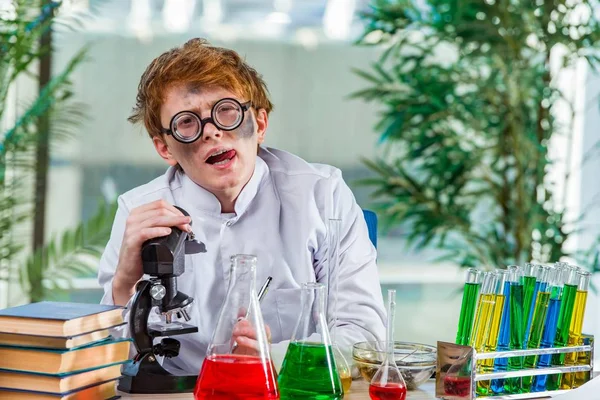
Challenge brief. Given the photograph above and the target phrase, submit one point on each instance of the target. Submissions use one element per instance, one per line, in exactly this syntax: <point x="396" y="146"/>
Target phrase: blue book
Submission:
<point x="99" y="391"/>
<point x="51" y="342"/>
<point x="59" y="319"/>
<point x="52" y="361"/>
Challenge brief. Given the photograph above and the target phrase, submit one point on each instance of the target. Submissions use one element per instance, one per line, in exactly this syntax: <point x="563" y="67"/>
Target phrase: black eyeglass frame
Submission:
<point x="243" y="106"/>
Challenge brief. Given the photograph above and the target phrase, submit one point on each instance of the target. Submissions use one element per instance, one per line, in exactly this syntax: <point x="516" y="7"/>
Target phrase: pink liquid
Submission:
<point x="457" y="385"/>
<point x="228" y="377"/>
<point x="391" y="391"/>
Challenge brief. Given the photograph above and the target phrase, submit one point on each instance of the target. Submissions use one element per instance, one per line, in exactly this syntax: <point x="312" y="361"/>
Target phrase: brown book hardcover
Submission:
<point x="103" y="391"/>
<point x="58" y="383"/>
<point x="59" y="319"/>
<point x="50" y="361"/>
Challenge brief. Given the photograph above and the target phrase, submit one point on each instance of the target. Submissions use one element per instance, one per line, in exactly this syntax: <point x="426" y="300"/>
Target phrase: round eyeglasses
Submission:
<point x="187" y="126"/>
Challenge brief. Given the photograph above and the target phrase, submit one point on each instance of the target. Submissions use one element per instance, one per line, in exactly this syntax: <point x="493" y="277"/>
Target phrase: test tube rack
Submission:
<point x="457" y="376"/>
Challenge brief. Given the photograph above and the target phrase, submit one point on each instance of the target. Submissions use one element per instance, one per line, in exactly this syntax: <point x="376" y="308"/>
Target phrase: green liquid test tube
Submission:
<point x="565" y="314"/>
<point x="546" y="277"/>
<point x="486" y="366"/>
<point x="469" y="304"/>
<point x="513" y="385"/>
<point x="531" y="284"/>
<point x="569" y="380"/>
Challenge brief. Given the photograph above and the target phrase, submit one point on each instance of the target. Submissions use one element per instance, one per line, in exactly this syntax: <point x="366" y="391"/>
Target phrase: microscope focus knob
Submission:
<point x="158" y="292"/>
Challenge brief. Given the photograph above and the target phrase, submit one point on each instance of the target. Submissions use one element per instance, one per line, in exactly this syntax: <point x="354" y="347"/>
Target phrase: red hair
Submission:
<point x="199" y="64"/>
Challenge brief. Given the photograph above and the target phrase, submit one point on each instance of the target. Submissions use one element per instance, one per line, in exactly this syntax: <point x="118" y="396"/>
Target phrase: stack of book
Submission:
<point x="55" y="350"/>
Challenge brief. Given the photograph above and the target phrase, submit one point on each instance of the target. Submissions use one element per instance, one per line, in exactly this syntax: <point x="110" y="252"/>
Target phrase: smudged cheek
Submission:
<point x="189" y="154"/>
<point x="246" y="130"/>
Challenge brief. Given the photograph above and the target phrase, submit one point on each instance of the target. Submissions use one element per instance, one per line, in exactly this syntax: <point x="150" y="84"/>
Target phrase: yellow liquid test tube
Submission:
<point x="485" y="310"/>
<point x="484" y="387"/>
<point x="570" y="380"/>
<point x="485" y="313"/>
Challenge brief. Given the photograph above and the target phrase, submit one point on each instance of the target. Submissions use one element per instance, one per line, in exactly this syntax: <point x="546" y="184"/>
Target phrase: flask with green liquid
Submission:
<point x="308" y="370"/>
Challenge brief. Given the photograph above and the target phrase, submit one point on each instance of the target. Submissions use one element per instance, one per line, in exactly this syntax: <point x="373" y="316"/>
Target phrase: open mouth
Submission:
<point x="221" y="158"/>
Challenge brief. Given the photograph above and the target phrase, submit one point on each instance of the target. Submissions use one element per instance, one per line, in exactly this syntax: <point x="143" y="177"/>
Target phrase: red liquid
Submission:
<point x="229" y="377"/>
<point x="457" y="385"/>
<point x="391" y="391"/>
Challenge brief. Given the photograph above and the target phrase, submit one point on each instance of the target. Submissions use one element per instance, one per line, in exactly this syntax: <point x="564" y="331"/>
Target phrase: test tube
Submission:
<point x="549" y="334"/>
<point x="575" y="339"/>
<point x="485" y="311"/>
<point x="571" y="282"/>
<point x="501" y="364"/>
<point x="531" y="284"/>
<point x="468" y="307"/>
<point x="545" y="275"/>
<point x="485" y="366"/>
<point x="513" y="385"/>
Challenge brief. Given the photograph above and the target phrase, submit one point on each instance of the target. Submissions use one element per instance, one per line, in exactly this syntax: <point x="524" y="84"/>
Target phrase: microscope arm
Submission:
<point x="138" y="318"/>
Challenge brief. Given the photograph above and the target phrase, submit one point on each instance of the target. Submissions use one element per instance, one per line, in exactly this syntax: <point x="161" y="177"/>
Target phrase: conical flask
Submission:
<point x="333" y="233"/>
<point x="308" y="371"/>
<point x="242" y="370"/>
<point x="388" y="383"/>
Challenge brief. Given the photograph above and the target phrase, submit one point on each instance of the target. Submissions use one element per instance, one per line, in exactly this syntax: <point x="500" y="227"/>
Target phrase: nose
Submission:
<point x="211" y="132"/>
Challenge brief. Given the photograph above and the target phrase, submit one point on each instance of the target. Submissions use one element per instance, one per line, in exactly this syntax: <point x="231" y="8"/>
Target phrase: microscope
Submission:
<point x="163" y="260"/>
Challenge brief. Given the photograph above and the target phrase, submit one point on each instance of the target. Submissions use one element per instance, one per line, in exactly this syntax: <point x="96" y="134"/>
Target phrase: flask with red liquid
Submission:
<point x="388" y="383"/>
<point x="232" y="370"/>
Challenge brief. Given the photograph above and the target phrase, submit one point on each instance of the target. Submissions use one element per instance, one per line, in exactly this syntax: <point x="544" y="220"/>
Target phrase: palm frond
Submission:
<point x="73" y="254"/>
<point x="470" y="131"/>
<point x="20" y="50"/>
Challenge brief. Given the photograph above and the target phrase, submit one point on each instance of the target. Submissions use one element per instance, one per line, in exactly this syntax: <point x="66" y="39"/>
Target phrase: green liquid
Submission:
<point x="513" y="385"/>
<point x="309" y="372"/>
<point x="535" y="335"/>
<point x="528" y="299"/>
<point x="467" y="313"/>
<point x="562" y="332"/>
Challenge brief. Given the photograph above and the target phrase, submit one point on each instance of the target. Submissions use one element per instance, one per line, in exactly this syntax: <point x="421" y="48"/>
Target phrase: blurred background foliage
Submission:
<point x="42" y="267"/>
<point x="466" y="138"/>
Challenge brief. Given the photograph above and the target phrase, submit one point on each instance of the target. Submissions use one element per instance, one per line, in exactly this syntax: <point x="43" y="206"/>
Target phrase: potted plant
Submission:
<point x="469" y="92"/>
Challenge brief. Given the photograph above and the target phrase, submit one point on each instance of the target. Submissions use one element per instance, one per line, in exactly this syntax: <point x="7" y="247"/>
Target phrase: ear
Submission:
<point x="163" y="150"/>
<point x="262" y="120"/>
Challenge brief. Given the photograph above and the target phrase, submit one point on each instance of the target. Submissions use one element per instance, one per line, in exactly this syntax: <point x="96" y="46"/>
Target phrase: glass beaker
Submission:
<point x="388" y="383"/>
<point x="250" y="364"/>
<point x="308" y="370"/>
<point x="333" y="270"/>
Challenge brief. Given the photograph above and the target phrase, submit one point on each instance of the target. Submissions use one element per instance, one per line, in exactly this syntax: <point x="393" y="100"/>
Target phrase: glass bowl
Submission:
<point x="416" y="361"/>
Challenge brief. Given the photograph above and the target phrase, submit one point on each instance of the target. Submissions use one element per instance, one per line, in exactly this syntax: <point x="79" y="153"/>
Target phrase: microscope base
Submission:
<point x="151" y="378"/>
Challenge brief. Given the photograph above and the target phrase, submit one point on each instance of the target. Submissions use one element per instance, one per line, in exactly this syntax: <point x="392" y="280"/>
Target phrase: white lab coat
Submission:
<point x="281" y="216"/>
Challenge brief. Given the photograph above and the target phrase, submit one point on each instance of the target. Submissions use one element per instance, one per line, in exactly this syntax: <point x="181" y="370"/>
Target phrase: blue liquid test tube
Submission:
<point x="501" y="364"/>
<point x="544" y="361"/>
